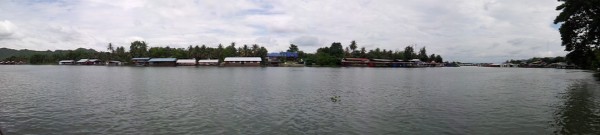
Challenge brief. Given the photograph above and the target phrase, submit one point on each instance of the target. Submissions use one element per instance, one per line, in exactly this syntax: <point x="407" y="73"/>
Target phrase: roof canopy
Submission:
<point x="186" y="61"/>
<point x="284" y="54"/>
<point x="140" y="59"/>
<point x="243" y="59"/>
<point x="67" y="61"/>
<point x="82" y="60"/>
<point x="208" y="61"/>
<point x="163" y="60"/>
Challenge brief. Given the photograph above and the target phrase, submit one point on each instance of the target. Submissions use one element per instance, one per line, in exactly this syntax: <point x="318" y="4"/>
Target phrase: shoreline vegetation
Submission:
<point x="328" y="56"/>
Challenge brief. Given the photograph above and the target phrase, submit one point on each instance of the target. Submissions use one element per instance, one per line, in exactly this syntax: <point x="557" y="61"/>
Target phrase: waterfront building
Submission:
<point x="140" y="61"/>
<point x="186" y="62"/>
<point x="274" y="59"/>
<point x="355" y="62"/>
<point x="89" y="62"/>
<point x="162" y="62"/>
<point x="66" y="62"/>
<point x="208" y="62"/>
<point x="242" y="61"/>
<point x="114" y="63"/>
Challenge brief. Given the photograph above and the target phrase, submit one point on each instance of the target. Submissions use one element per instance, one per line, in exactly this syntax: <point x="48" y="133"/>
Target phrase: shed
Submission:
<point x="208" y="62"/>
<point x="114" y="63"/>
<point x="242" y="61"/>
<point x="163" y="62"/>
<point x="186" y="62"/>
<point x="89" y="62"/>
<point x="140" y="61"/>
<point x="66" y="62"/>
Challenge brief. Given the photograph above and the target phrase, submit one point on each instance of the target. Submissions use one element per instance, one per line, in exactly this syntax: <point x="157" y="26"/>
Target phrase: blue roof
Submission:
<point x="163" y="60"/>
<point x="283" y="54"/>
<point x="140" y="59"/>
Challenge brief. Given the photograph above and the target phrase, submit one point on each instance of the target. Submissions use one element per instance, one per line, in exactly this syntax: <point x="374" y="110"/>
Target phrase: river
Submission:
<point x="54" y="99"/>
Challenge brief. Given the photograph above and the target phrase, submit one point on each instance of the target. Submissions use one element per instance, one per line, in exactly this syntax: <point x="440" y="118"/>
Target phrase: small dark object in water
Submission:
<point x="335" y="99"/>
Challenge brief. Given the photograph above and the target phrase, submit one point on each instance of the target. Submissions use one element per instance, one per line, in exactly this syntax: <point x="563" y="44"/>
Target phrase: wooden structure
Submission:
<point x="164" y="62"/>
<point x="89" y="62"/>
<point x="186" y="62"/>
<point x="114" y="63"/>
<point x="66" y="62"/>
<point x="242" y="61"/>
<point x="275" y="59"/>
<point x="208" y="62"/>
<point x="140" y="61"/>
<point x="364" y="62"/>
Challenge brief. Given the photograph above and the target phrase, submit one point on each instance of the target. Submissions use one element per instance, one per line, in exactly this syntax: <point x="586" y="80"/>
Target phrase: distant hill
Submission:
<point x="7" y="52"/>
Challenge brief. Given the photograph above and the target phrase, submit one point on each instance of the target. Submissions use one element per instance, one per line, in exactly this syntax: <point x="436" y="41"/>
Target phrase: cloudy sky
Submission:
<point x="459" y="30"/>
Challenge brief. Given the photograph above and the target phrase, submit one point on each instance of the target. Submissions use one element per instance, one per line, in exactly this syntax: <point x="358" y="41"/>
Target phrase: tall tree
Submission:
<point x="409" y="53"/>
<point x="580" y="31"/>
<point x="293" y="48"/>
<point x="110" y="48"/>
<point x="336" y="50"/>
<point x="138" y="49"/>
<point x="439" y="59"/>
<point x="363" y="52"/>
<point x="423" y="55"/>
<point x="353" y="45"/>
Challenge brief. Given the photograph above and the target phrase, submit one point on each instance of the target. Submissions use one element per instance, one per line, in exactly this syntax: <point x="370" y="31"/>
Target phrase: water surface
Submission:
<point x="213" y="100"/>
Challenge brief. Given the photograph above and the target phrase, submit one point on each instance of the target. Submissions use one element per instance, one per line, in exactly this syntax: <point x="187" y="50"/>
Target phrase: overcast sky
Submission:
<point x="459" y="30"/>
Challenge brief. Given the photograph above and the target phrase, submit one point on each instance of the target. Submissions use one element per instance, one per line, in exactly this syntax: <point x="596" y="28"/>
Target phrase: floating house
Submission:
<point x="242" y="61"/>
<point x="355" y="62"/>
<point x="114" y="63"/>
<point x="274" y="59"/>
<point x="208" y="62"/>
<point x="140" y="61"/>
<point x="66" y="62"/>
<point x="186" y="62"/>
<point x="89" y="62"/>
<point x="163" y="62"/>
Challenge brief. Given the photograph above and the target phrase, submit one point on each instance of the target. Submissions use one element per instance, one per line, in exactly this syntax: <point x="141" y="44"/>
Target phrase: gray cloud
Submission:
<point x="461" y="30"/>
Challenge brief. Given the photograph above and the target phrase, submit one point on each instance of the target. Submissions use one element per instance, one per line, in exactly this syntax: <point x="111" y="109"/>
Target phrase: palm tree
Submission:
<point x="110" y="48"/>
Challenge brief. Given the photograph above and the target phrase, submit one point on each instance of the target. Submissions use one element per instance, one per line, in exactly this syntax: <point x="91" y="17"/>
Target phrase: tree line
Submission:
<point x="332" y="55"/>
<point x="580" y="31"/>
<point x="141" y="49"/>
<point x="325" y="56"/>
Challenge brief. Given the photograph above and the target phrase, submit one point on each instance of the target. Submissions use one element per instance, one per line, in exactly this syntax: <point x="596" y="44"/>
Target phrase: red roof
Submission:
<point x="356" y="59"/>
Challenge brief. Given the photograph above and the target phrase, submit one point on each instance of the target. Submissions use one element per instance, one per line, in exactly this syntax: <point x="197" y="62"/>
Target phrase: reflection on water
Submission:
<point x="579" y="113"/>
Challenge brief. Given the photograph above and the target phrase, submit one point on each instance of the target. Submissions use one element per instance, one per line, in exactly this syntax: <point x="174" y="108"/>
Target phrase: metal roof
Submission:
<point x="283" y="54"/>
<point x="383" y="60"/>
<point x="67" y="61"/>
<point x="82" y="60"/>
<point x="243" y="59"/>
<point x="209" y="61"/>
<point x="163" y="60"/>
<point x="140" y="59"/>
<point x="186" y="61"/>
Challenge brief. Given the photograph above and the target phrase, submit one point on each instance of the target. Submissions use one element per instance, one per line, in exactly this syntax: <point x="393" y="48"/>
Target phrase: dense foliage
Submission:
<point x="580" y="31"/>
<point x="136" y="49"/>
<point x="325" y="56"/>
<point x="547" y="60"/>
<point x="332" y="55"/>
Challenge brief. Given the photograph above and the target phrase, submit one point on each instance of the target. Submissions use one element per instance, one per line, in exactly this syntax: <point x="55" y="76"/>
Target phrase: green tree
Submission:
<point x="336" y="49"/>
<point x="409" y="53"/>
<point x="110" y="48"/>
<point x="353" y="46"/>
<point x="138" y="49"/>
<point x="580" y="31"/>
<point x="423" y="55"/>
<point x="293" y="48"/>
<point x="439" y="59"/>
